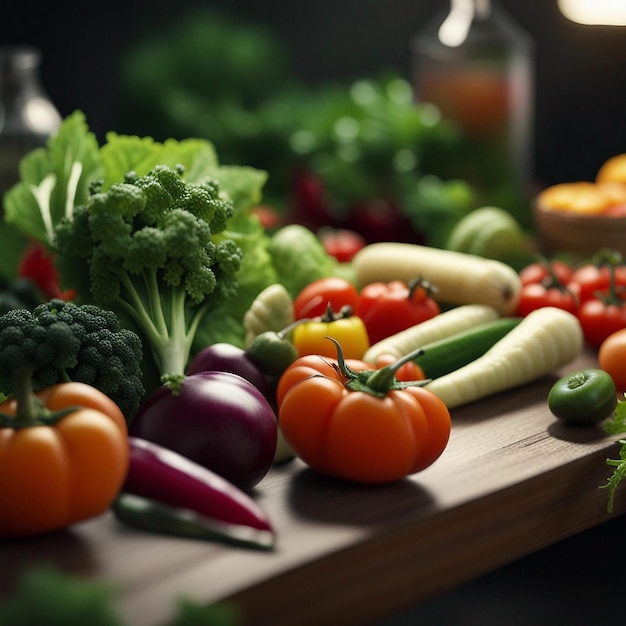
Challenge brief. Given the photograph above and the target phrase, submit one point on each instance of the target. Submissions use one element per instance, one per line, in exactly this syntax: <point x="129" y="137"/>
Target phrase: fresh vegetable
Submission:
<point x="299" y="257"/>
<point x="224" y="357"/>
<point x="316" y="365"/>
<point x="367" y="428"/>
<point x="616" y="426"/>
<point x="612" y="358"/>
<point x="446" y="324"/>
<point x="451" y="353"/>
<point x="216" y="419"/>
<point x="37" y="264"/>
<point x="61" y="341"/>
<point x="600" y="318"/>
<point x="57" y="178"/>
<point x="605" y="312"/>
<point x="489" y="232"/>
<point x="543" y="341"/>
<point x="63" y="456"/>
<point x="596" y="275"/>
<point x="271" y="310"/>
<point x="548" y="292"/>
<point x="151" y="249"/>
<point x="388" y="308"/>
<point x="316" y="297"/>
<point x="266" y="358"/>
<point x="166" y="492"/>
<point x="347" y="328"/>
<point x="460" y="278"/>
<point x="409" y="371"/>
<point x="583" y="397"/>
<point x="341" y="243"/>
<point x="538" y="271"/>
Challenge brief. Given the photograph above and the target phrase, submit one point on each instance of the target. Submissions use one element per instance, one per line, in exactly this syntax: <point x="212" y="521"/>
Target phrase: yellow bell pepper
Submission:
<point x="346" y="328"/>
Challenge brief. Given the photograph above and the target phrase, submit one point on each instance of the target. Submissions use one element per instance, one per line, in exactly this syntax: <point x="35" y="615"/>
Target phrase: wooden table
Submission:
<point x="512" y="480"/>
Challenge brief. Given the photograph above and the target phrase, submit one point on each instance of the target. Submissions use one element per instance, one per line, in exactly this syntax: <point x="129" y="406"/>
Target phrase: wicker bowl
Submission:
<point x="579" y="232"/>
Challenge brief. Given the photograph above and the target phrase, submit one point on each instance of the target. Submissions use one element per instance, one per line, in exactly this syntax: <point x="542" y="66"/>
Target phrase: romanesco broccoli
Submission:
<point x="61" y="341"/>
<point x="150" y="249"/>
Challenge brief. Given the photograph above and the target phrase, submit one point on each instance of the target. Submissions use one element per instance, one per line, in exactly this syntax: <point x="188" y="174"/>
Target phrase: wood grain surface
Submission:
<point x="512" y="480"/>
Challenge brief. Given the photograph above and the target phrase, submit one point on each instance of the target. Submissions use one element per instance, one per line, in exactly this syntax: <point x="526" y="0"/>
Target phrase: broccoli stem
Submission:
<point x="162" y="316"/>
<point x="27" y="406"/>
<point x="29" y="410"/>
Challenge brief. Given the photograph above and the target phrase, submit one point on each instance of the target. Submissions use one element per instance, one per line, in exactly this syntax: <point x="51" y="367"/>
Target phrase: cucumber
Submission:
<point x="449" y="354"/>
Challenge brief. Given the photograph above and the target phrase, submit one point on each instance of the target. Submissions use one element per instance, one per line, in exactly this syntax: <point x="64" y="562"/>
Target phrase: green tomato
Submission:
<point x="585" y="397"/>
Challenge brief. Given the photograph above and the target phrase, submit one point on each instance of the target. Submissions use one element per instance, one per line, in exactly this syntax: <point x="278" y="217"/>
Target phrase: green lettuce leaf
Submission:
<point x="53" y="180"/>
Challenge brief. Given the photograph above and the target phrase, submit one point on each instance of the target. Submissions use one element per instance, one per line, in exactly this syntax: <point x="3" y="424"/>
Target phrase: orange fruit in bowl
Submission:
<point x="613" y="170"/>
<point x="580" y="197"/>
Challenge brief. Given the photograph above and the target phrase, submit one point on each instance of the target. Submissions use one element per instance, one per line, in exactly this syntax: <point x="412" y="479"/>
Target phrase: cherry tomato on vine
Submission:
<point x="389" y="308"/>
<point x="589" y="279"/>
<point x="541" y="270"/>
<point x="600" y="319"/>
<point x="536" y="295"/>
<point x="313" y="300"/>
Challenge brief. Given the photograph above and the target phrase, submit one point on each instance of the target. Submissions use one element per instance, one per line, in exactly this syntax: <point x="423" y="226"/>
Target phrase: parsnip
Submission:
<point x="460" y="278"/>
<point x="441" y="326"/>
<point x="545" y="340"/>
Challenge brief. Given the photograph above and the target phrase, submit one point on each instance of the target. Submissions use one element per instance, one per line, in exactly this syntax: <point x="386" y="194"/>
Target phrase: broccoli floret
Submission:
<point x="60" y="341"/>
<point x="149" y="247"/>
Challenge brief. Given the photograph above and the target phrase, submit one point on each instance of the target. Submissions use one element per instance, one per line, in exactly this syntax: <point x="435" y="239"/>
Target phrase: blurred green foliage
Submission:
<point x="214" y="76"/>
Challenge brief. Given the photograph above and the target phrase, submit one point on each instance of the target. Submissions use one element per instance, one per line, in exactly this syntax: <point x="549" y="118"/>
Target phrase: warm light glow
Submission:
<point x="607" y="12"/>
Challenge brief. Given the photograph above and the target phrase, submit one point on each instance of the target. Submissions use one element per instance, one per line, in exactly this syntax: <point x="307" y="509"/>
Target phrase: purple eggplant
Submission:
<point x="225" y="357"/>
<point x="216" y="419"/>
<point x="166" y="492"/>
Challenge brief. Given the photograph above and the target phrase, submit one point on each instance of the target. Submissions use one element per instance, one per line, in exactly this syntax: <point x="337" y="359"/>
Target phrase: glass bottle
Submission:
<point x="27" y="115"/>
<point x="476" y="65"/>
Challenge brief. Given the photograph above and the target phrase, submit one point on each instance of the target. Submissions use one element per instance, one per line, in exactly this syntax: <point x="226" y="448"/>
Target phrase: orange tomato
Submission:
<point x="362" y="437"/>
<point x="314" y="365"/>
<point x="612" y="358"/>
<point x="409" y="371"/>
<point x="55" y="474"/>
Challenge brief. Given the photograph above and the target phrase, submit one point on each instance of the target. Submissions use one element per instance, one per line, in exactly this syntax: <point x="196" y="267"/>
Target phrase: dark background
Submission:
<point x="580" y="70"/>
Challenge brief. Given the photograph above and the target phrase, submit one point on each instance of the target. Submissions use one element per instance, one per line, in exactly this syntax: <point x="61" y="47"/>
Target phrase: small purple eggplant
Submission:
<point x="216" y="419"/>
<point x="166" y="492"/>
<point x="225" y="357"/>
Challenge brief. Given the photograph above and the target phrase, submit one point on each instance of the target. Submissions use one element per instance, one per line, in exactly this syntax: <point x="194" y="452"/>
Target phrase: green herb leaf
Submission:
<point x="615" y="426"/>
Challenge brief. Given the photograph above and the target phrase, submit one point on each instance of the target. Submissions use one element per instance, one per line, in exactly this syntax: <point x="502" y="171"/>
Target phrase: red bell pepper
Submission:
<point x="38" y="265"/>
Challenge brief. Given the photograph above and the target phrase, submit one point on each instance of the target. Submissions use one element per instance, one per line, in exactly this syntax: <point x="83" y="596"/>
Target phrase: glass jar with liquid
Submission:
<point x="475" y="63"/>
<point x="27" y="115"/>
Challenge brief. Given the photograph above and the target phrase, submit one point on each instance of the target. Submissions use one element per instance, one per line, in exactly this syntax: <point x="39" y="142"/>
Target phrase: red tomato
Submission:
<point x="535" y="295"/>
<point x="540" y="271"/>
<point x="589" y="279"/>
<point x="599" y="320"/>
<point x="341" y="243"/>
<point x="389" y="308"/>
<point x="314" y="299"/>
